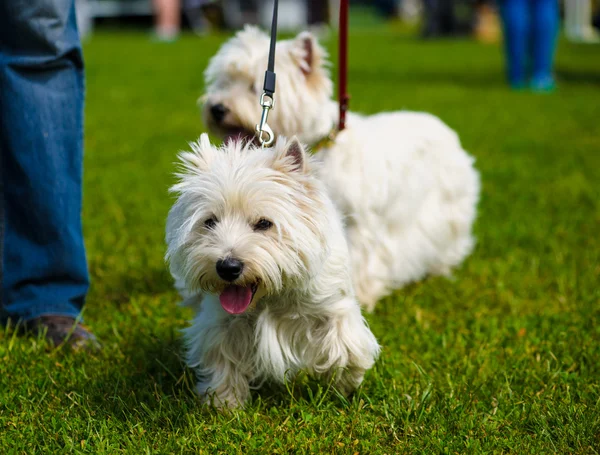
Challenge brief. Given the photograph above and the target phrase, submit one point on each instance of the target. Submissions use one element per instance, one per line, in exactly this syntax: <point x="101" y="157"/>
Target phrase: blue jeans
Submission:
<point x="43" y="266"/>
<point x="530" y="30"/>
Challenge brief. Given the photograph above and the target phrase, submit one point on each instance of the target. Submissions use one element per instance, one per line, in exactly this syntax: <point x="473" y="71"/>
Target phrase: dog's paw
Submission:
<point x="223" y="398"/>
<point x="347" y="380"/>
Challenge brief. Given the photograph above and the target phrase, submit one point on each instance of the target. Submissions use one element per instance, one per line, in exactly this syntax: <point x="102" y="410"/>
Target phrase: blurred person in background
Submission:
<point x="318" y="13"/>
<point x="438" y="18"/>
<point x="167" y="19"/>
<point x="387" y="8"/>
<point x="446" y="18"/>
<point x="43" y="269"/>
<point x="578" y="22"/>
<point x="193" y="10"/>
<point x="410" y="11"/>
<point x="487" y="22"/>
<point x="530" y="31"/>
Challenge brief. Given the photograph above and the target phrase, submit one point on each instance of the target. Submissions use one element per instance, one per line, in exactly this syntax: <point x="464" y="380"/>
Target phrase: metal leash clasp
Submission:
<point x="267" y="102"/>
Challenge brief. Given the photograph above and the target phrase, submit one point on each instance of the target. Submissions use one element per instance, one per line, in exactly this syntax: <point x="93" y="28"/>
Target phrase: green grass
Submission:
<point x="505" y="358"/>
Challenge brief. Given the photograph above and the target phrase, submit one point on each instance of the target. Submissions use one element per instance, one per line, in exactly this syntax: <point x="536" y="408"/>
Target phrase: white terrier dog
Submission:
<point x="407" y="189"/>
<point x="257" y="245"/>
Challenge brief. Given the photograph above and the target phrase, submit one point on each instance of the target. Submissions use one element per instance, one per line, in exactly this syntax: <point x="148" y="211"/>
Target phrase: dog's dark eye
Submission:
<point x="263" y="225"/>
<point x="253" y="88"/>
<point x="210" y="223"/>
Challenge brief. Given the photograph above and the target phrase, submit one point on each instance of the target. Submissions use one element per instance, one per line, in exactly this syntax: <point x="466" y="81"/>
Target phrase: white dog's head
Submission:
<point x="234" y="81"/>
<point x="247" y="221"/>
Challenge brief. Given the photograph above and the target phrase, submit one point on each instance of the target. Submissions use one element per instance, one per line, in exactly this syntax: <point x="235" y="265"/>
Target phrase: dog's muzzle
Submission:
<point x="218" y="112"/>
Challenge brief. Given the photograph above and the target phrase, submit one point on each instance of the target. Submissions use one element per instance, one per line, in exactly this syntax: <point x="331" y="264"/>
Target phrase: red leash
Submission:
<point x="343" y="96"/>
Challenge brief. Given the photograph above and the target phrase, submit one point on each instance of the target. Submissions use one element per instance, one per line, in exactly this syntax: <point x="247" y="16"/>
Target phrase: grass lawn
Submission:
<point x="505" y="358"/>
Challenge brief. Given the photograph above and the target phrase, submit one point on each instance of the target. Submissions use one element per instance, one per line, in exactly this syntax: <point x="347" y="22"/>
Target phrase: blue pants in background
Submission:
<point x="530" y="31"/>
<point x="43" y="266"/>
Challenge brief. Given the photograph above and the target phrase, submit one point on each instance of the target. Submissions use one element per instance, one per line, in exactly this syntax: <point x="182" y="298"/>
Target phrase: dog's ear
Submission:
<point x="307" y="52"/>
<point x="296" y="153"/>
<point x="291" y="155"/>
<point x="199" y="159"/>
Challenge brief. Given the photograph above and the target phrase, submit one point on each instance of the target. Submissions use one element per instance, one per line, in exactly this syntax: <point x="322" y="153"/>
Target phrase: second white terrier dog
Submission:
<point x="403" y="182"/>
<point x="257" y="246"/>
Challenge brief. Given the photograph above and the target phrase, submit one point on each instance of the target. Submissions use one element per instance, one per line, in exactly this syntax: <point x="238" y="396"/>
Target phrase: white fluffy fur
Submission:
<point x="403" y="182"/>
<point x="304" y="315"/>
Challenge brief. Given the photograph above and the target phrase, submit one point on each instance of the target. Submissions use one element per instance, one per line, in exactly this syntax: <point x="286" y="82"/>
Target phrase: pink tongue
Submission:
<point x="235" y="299"/>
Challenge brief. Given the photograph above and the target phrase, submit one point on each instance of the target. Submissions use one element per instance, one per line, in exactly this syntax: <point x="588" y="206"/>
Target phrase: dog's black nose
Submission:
<point x="218" y="111"/>
<point x="230" y="268"/>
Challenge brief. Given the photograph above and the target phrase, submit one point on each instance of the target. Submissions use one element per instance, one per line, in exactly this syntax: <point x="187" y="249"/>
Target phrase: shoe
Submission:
<point x="64" y="330"/>
<point x="542" y="84"/>
<point x="587" y="35"/>
<point x="165" y="35"/>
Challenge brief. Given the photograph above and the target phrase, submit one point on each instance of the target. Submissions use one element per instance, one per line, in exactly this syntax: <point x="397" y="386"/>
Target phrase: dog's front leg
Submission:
<point x="349" y="347"/>
<point x="220" y="348"/>
<point x="222" y="384"/>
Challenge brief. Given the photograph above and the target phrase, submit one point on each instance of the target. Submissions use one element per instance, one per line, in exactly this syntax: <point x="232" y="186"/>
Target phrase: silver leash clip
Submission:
<point x="267" y="102"/>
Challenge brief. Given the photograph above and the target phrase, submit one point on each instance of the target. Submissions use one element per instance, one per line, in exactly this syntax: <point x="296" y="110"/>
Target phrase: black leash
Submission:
<point x="267" y="100"/>
<point x="269" y="86"/>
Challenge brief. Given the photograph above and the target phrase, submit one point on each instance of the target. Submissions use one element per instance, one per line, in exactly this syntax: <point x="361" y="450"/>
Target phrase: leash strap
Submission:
<point x="269" y="86"/>
<point x="267" y="99"/>
<point x="343" y="96"/>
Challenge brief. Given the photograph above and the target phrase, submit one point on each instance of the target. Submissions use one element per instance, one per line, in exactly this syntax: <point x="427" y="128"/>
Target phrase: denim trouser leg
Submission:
<point x="43" y="268"/>
<point x="544" y="32"/>
<point x="516" y="21"/>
